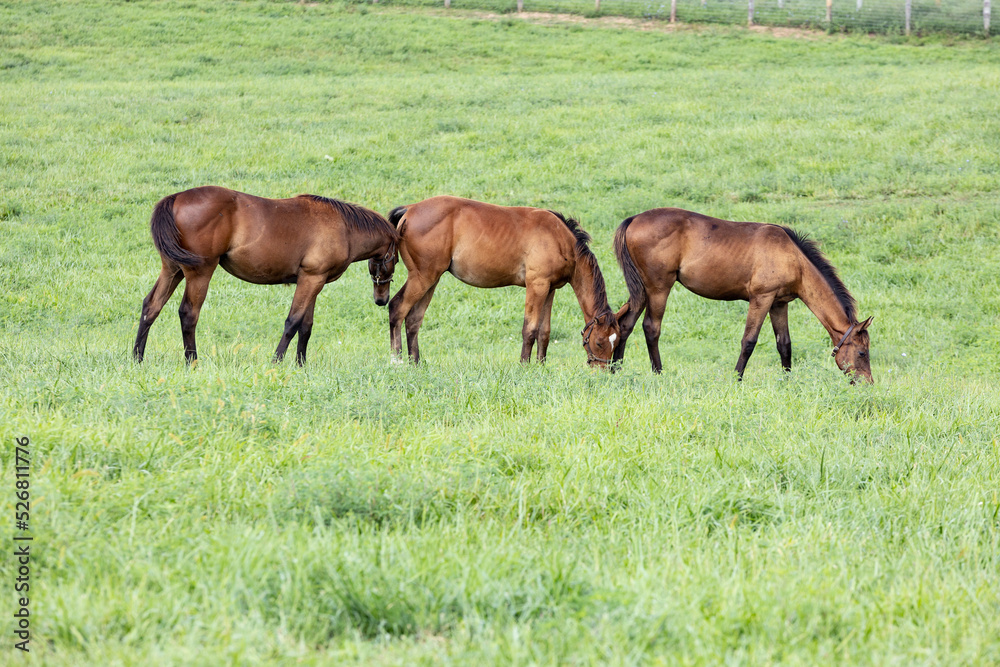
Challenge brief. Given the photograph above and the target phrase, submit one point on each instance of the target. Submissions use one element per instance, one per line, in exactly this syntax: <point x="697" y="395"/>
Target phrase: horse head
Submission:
<point x="381" y="269"/>
<point x="851" y="353"/>
<point x="600" y="337"/>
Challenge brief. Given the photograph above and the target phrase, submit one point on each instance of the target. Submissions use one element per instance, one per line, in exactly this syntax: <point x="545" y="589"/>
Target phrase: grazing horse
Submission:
<point x="485" y="245"/>
<point x="307" y="240"/>
<point x="767" y="265"/>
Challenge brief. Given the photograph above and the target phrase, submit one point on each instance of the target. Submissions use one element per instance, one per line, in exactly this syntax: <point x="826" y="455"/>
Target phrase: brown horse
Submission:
<point x="485" y="245"/>
<point x="767" y="265"/>
<point x="307" y="240"/>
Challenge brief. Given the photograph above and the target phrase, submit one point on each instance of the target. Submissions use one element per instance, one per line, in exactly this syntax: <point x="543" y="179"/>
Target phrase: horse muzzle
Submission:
<point x="603" y="364"/>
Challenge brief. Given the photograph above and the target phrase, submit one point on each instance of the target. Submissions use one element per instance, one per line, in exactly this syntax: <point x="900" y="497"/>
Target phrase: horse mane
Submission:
<point x="359" y="218"/>
<point x="584" y="253"/>
<point x="811" y="250"/>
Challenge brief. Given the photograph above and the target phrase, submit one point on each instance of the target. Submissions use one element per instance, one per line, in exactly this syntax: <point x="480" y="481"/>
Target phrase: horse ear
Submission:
<point x="864" y="325"/>
<point x="622" y="312"/>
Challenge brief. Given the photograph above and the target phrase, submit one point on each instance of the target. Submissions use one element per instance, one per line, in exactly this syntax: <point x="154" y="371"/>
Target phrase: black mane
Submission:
<point x="584" y="253"/>
<point x="359" y="218"/>
<point x="811" y="250"/>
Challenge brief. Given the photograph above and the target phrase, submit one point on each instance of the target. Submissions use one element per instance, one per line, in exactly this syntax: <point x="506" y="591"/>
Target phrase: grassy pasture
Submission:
<point x="473" y="510"/>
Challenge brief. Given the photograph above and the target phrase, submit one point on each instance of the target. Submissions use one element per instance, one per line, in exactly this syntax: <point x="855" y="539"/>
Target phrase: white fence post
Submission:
<point x="447" y="4"/>
<point x="829" y="13"/>
<point x="859" y="5"/>
<point x="673" y="11"/>
<point x="781" y="4"/>
<point x="520" y="6"/>
<point x="749" y="12"/>
<point x="597" y="5"/>
<point x="986" y="16"/>
<point x="909" y="8"/>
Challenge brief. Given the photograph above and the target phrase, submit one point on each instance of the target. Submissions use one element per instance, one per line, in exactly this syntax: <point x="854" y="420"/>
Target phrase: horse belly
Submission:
<point x="711" y="292"/>
<point x="714" y="281"/>
<point x="261" y="271"/>
<point x="481" y="276"/>
<point x="486" y="273"/>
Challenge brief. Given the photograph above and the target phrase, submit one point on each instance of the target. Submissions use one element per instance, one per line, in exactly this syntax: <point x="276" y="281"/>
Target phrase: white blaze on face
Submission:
<point x="611" y="339"/>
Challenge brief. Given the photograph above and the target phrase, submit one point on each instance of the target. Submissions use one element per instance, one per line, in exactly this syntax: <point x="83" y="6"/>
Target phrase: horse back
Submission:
<point x="487" y="245"/>
<point x="261" y="240"/>
<point x="715" y="258"/>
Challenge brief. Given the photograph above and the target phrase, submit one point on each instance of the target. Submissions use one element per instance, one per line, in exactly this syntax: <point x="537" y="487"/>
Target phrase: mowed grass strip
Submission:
<point x="473" y="509"/>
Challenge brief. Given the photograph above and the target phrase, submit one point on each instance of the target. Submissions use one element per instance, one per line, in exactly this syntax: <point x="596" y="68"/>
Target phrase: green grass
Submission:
<point x="472" y="510"/>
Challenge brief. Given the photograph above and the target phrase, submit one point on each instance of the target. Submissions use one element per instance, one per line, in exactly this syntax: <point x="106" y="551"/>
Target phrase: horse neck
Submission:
<point x="582" y="282"/>
<point x="369" y="246"/>
<point x="820" y="298"/>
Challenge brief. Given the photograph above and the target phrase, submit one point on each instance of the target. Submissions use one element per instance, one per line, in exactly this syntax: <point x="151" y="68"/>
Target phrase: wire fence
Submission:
<point x="904" y="17"/>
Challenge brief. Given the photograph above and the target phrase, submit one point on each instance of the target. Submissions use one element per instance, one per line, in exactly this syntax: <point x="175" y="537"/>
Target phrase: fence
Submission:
<point x="878" y="16"/>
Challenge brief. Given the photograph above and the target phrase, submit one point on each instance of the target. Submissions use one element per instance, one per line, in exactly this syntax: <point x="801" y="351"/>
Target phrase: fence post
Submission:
<point x="520" y="6"/>
<point x="829" y="13"/>
<point x="597" y="5"/>
<point x="673" y="11"/>
<point x="909" y="8"/>
<point x="859" y="5"/>
<point x="986" y="16"/>
<point x="781" y="4"/>
<point x="749" y="12"/>
<point x="447" y="4"/>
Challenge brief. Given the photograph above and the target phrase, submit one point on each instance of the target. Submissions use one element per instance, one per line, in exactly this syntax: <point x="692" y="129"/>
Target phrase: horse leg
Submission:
<point x="305" y="328"/>
<point x="655" y="305"/>
<point x="534" y="300"/>
<point x="412" y="291"/>
<point x="413" y="321"/>
<point x="305" y="331"/>
<point x="779" y="322"/>
<point x="627" y="319"/>
<point x="545" y="329"/>
<point x="759" y="305"/>
<point x="163" y="288"/>
<point x="307" y="288"/>
<point x="195" y="291"/>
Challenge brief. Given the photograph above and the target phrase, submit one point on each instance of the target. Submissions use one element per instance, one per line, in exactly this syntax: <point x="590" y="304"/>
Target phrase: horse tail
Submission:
<point x="636" y="290"/>
<point x="166" y="238"/>
<point x="395" y="215"/>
